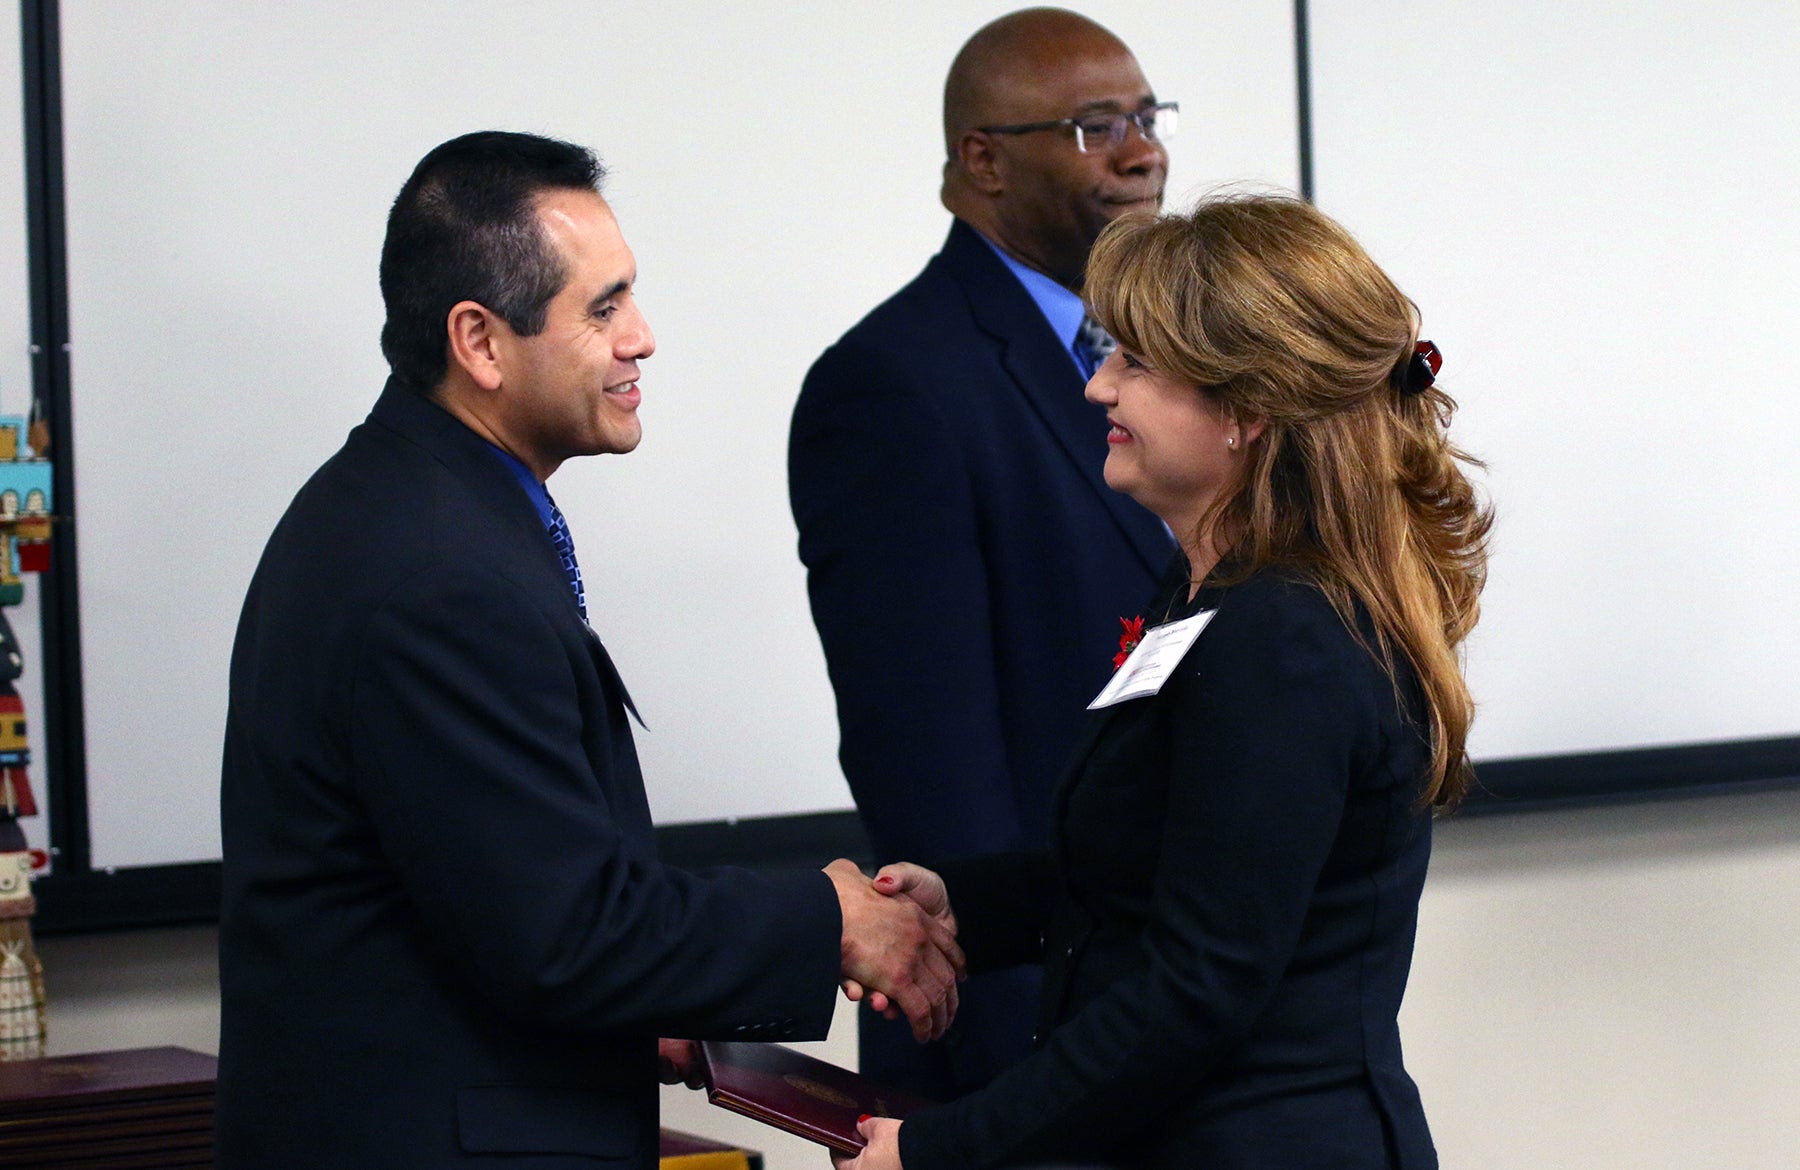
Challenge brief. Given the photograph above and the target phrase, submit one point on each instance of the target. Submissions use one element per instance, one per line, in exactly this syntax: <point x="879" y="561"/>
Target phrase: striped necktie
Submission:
<point x="565" y="551"/>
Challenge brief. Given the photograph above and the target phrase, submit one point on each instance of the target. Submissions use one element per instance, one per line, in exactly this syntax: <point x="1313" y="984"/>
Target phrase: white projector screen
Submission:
<point x="775" y="168"/>
<point x="1593" y="206"/>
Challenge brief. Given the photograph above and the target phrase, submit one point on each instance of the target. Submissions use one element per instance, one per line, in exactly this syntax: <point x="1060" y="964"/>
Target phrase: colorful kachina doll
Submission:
<point x="21" y="975"/>
<point x="24" y="548"/>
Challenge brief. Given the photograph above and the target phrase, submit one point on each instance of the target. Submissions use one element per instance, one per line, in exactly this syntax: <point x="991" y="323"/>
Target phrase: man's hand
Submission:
<point x="892" y="946"/>
<point x="678" y="1063"/>
<point x="881" y="1149"/>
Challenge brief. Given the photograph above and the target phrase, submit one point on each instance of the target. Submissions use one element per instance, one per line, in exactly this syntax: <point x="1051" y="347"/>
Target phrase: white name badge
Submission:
<point x="1152" y="662"/>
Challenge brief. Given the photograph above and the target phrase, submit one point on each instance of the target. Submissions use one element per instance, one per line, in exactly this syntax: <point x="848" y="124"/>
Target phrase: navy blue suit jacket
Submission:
<point x="967" y="567"/>
<point x="446" y="939"/>
<point x="1236" y="875"/>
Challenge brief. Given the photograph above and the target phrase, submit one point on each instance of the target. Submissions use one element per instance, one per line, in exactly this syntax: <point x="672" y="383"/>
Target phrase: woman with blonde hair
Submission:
<point x="1227" y="912"/>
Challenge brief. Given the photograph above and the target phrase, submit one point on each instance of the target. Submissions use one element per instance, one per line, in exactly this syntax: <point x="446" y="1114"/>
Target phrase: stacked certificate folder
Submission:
<point x="796" y="1093"/>
<point x="146" y="1109"/>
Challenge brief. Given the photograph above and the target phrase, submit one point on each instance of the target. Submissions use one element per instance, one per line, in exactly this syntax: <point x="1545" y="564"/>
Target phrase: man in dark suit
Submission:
<point x="967" y="565"/>
<point x="446" y="939"/>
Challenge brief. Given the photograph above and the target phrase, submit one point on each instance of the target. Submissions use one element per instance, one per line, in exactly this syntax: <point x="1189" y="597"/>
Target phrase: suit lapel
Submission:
<point x="526" y="545"/>
<point x="610" y="673"/>
<point x="1044" y="374"/>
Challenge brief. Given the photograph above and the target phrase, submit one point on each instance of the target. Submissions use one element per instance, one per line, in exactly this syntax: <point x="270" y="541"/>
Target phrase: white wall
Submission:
<point x="1606" y="989"/>
<point x="1613" y="989"/>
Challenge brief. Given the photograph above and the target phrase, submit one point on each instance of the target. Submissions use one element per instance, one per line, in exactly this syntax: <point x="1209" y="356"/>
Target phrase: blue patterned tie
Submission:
<point x="1093" y="343"/>
<point x="565" y="550"/>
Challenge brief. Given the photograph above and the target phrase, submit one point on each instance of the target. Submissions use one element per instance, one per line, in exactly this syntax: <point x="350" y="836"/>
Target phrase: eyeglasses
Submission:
<point x="1101" y="132"/>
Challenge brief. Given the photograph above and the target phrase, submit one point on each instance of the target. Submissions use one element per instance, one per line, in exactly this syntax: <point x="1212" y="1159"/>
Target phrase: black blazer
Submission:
<point x="967" y="567"/>
<point x="1237" y="868"/>
<point x="966" y="562"/>
<point x="446" y="939"/>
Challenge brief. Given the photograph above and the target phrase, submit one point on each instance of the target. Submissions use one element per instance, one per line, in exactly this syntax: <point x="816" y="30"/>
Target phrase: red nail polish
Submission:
<point x="864" y="1118"/>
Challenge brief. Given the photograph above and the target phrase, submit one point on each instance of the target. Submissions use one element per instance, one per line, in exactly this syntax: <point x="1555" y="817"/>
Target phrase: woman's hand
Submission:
<point x="882" y="1148"/>
<point x="920" y="886"/>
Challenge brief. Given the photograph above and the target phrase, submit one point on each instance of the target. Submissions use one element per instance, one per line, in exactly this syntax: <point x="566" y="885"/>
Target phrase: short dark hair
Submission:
<point x="463" y="228"/>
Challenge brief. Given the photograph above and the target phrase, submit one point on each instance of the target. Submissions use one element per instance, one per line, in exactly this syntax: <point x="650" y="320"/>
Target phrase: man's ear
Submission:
<point x="475" y="342"/>
<point x="975" y="152"/>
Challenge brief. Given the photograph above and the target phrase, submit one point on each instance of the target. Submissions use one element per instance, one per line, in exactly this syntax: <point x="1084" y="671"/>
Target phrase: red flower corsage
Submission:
<point x="1128" y="640"/>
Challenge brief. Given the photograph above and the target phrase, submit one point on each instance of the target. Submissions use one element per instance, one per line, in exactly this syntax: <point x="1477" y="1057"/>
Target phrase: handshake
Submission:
<point x="899" y="944"/>
<point x="898" y="950"/>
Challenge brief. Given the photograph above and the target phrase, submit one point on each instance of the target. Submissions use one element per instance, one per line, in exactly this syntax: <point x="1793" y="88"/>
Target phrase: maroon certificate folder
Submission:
<point x="144" y="1107"/>
<point x="794" y="1092"/>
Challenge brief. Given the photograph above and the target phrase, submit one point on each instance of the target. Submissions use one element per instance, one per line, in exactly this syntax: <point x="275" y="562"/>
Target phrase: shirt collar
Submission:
<point x="537" y="492"/>
<point x="1060" y="307"/>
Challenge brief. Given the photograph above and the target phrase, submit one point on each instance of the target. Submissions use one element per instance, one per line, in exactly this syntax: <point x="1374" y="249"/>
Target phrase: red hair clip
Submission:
<point x="1420" y="370"/>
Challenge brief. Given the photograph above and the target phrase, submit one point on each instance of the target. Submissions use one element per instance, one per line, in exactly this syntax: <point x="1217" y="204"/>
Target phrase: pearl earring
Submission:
<point x="1231" y="441"/>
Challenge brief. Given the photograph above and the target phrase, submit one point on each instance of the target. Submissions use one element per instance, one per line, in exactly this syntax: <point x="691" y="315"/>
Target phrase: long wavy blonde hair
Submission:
<point x="1271" y="308"/>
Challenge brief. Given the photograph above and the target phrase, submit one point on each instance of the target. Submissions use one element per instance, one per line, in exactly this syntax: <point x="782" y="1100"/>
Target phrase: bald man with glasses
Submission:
<point x="967" y="565"/>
